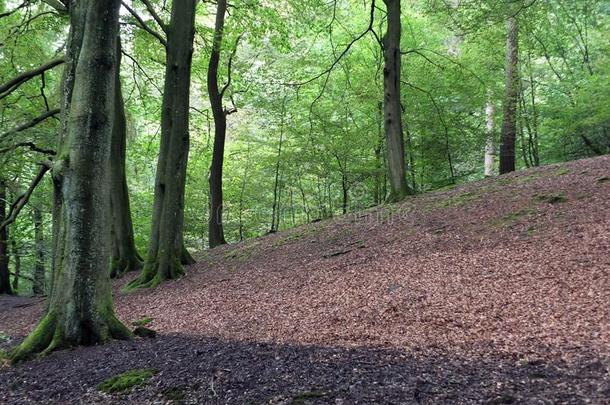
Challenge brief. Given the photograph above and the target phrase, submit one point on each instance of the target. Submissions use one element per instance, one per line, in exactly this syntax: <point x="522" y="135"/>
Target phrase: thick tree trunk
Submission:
<point x="490" y="144"/>
<point x="38" y="286"/>
<point x="5" y="279"/>
<point x="216" y="232"/>
<point x="166" y="251"/>
<point x="80" y="309"/>
<point x="125" y="256"/>
<point x="392" y="106"/>
<point x="509" y="126"/>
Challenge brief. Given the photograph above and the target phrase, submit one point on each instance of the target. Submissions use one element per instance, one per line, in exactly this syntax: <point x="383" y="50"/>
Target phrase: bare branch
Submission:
<point x="13" y="84"/>
<point x="31" y="145"/>
<point x="153" y="13"/>
<point x="32" y="123"/>
<point x="142" y="24"/>
<point x="24" y="198"/>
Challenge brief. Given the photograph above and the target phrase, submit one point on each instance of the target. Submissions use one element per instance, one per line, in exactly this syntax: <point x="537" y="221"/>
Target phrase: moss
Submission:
<point x="146" y="333"/>
<point x="511" y="218"/>
<point x="126" y="380"/>
<point x="142" y="322"/>
<point x="551" y="198"/>
<point x="307" y="395"/>
<point x="604" y="179"/>
<point x="174" y="393"/>
<point x="561" y="172"/>
<point x="458" y="200"/>
<point x="4" y="338"/>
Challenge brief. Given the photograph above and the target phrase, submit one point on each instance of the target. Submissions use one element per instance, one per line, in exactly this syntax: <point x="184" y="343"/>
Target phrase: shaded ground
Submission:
<point x="494" y="292"/>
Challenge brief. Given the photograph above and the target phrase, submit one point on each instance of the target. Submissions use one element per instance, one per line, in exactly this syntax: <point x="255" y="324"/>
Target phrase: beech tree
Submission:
<point x="166" y="251"/>
<point x="125" y="256"/>
<point x="5" y="277"/>
<point x="80" y="309"/>
<point x="215" y="229"/>
<point x="511" y="98"/>
<point x="392" y="104"/>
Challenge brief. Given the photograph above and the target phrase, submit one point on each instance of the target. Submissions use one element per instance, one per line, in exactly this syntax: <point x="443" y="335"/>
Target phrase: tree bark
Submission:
<point x="511" y="99"/>
<point x="38" y="286"/>
<point x="490" y="144"/>
<point x="125" y="257"/>
<point x="166" y="251"/>
<point x="216" y="232"/>
<point x="17" y="260"/>
<point x="5" y="278"/>
<point x="275" y="216"/>
<point x="392" y="107"/>
<point x="80" y="309"/>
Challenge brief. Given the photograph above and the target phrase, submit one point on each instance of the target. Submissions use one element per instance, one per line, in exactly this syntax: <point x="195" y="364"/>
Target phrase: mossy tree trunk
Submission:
<point x="511" y="99"/>
<point x="5" y="278"/>
<point x="80" y="309"/>
<point x="125" y="257"/>
<point x="166" y="252"/>
<point x="215" y="228"/>
<point x="392" y="107"/>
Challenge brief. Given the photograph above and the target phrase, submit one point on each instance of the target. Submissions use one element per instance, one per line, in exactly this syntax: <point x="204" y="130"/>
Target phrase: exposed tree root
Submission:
<point x="155" y="272"/>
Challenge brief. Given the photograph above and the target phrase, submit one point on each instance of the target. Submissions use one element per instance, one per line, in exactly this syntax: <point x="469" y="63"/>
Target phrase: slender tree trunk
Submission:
<point x="80" y="309"/>
<point x="166" y="252"/>
<point x="216" y="232"/>
<point x="17" y="261"/>
<point x="274" y="212"/>
<point x="509" y="126"/>
<point x="125" y="256"/>
<point x="38" y="286"/>
<point x="5" y="279"/>
<point x="392" y="106"/>
<point x="490" y="144"/>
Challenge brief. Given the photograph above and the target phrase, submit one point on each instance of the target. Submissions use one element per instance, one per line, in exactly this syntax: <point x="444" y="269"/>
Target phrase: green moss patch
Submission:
<point x="551" y="198"/>
<point x="511" y="218"/>
<point x="306" y="396"/>
<point x="142" y="322"/>
<point x="127" y="380"/>
<point x="458" y="200"/>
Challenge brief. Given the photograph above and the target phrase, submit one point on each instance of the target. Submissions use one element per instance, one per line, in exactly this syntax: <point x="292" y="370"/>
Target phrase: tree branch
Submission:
<point x="24" y="198"/>
<point x="31" y="145"/>
<point x="13" y="84"/>
<point x="145" y="26"/>
<point x="155" y="16"/>
<point x="32" y="123"/>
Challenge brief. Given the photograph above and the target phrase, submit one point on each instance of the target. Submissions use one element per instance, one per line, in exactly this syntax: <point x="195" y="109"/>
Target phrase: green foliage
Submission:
<point x="142" y="322"/>
<point x="126" y="380"/>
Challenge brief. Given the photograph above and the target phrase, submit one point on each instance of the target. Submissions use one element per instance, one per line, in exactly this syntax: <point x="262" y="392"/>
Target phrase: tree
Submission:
<point x="80" y="309"/>
<point x="5" y="278"/>
<point x="490" y="141"/>
<point x="125" y="256"/>
<point x="511" y="98"/>
<point x="166" y="251"/>
<point x="215" y="229"/>
<point x="38" y="285"/>
<point x="392" y="104"/>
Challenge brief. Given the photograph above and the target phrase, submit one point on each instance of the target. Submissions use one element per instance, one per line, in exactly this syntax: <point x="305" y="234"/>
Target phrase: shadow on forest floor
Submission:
<point x="205" y="370"/>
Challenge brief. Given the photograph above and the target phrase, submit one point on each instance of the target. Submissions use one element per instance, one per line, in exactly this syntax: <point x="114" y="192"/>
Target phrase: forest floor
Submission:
<point x="496" y="291"/>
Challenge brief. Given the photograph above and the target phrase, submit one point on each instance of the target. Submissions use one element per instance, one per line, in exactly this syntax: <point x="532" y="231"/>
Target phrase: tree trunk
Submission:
<point x="38" y="286"/>
<point x="509" y="126"/>
<point x="275" y="217"/>
<point x="125" y="256"/>
<point x="80" y="309"/>
<point x="17" y="260"/>
<point x="216" y="232"/>
<point x="5" y="279"/>
<point x="166" y="252"/>
<point x="392" y="106"/>
<point x="490" y="144"/>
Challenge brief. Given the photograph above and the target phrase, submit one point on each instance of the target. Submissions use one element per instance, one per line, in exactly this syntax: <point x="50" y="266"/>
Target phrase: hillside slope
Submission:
<point x="497" y="290"/>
